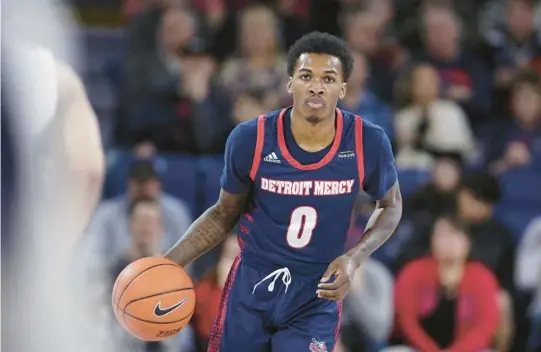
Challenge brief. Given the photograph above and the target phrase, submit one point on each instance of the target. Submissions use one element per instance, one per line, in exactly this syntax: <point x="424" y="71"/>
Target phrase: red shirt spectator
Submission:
<point x="209" y="290"/>
<point x="208" y="294"/>
<point x="444" y="302"/>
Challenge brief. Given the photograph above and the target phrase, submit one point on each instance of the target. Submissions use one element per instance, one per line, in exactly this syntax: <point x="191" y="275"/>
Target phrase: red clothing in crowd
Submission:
<point x="417" y="293"/>
<point x="207" y="294"/>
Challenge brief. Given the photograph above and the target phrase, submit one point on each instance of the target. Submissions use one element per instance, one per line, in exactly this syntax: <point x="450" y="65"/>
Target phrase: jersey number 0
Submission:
<point x="302" y="222"/>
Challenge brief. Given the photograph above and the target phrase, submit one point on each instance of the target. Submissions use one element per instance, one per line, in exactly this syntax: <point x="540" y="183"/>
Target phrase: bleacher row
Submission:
<point x="101" y="69"/>
<point x="196" y="180"/>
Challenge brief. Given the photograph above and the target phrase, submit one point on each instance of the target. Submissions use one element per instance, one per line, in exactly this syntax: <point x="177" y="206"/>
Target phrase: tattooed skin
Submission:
<point x="211" y="228"/>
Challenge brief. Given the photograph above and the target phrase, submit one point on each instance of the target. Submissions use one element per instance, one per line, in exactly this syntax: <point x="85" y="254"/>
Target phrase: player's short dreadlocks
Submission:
<point x="321" y="43"/>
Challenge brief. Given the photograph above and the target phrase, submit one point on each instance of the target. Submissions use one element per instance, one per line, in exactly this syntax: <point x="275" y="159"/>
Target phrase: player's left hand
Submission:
<point x="342" y="268"/>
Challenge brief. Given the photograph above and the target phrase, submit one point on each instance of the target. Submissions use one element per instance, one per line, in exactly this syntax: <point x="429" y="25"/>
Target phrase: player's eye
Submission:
<point x="305" y="77"/>
<point x="329" y="79"/>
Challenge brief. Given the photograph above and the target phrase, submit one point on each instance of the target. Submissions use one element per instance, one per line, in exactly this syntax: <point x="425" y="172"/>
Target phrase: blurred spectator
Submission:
<point x="528" y="277"/>
<point x="493" y="244"/>
<point x="426" y="124"/>
<point x="146" y="230"/>
<point x="445" y="302"/>
<point x="409" y="27"/>
<point x="170" y="99"/>
<point x="464" y="78"/>
<point x="364" y="31"/>
<point x="518" y="142"/>
<point x="260" y="63"/>
<point x="515" y="43"/>
<point x="439" y="195"/>
<point x="364" y="102"/>
<point x="209" y="290"/>
<point x="223" y="19"/>
<point x="248" y="105"/>
<point x="368" y="307"/>
<point x="109" y="233"/>
<point x="384" y="11"/>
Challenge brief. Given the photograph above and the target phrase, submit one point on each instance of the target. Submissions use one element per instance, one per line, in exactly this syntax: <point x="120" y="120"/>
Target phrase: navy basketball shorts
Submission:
<point x="273" y="312"/>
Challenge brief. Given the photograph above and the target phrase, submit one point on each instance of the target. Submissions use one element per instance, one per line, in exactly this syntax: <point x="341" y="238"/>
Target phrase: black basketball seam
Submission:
<point x="156" y="322"/>
<point x="136" y="276"/>
<point x="158" y="294"/>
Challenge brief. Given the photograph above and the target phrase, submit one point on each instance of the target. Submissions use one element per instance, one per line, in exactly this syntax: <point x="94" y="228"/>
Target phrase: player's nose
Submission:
<point x="316" y="89"/>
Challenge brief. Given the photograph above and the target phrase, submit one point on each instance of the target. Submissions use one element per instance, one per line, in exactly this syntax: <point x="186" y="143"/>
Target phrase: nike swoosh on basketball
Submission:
<point x="159" y="312"/>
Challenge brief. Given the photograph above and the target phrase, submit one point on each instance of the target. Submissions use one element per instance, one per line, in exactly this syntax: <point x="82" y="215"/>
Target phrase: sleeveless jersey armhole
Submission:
<point x="258" y="146"/>
<point x="359" y="149"/>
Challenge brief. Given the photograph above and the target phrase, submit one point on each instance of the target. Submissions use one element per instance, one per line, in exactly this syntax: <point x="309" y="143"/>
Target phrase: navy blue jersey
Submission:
<point x="300" y="202"/>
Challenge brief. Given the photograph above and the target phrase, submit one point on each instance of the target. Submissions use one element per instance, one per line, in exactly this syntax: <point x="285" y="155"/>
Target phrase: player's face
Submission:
<point x="316" y="85"/>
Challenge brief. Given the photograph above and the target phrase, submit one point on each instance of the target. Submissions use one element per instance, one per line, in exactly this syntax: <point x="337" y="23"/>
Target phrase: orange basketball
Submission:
<point x="153" y="298"/>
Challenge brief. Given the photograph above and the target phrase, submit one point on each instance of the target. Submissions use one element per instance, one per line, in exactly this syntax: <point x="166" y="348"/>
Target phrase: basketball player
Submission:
<point x="292" y="177"/>
<point x="57" y="167"/>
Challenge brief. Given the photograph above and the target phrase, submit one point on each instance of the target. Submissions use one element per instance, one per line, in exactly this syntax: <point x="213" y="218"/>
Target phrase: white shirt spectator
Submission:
<point x="369" y="303"/>
<point x="108" y="236"/>
<point x="448" y="127"/>
<point x="528" y="267"/>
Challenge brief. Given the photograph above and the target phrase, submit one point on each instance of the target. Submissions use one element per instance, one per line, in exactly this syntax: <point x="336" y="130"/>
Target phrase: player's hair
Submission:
<point x="140" y="200"/>
<point x="484" y="186"/>
<point x="321" y="43"/>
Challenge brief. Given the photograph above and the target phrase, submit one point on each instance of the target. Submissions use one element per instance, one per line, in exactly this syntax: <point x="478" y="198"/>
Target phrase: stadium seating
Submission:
<point x="210" y="169"/>
<point x="521" y="198"/>
<point x="178" y="174"/>
<point x="411" y="179"/>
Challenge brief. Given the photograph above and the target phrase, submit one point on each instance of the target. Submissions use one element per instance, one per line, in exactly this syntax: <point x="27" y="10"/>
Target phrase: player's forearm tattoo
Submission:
<point x="208" y="230"/>
<point x="381" y="225"/>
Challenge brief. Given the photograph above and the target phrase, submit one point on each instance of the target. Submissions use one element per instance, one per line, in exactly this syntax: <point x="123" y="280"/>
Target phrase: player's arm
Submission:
<point x="77" y="143"/>
<point x="209" y="229"/>
<point x="217" y="222"/>
<point x="382" y="184"/>
<point x="381" y="225"/>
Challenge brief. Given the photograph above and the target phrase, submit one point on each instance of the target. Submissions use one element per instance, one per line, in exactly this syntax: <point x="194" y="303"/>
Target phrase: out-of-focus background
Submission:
<point x="455" y="84"/>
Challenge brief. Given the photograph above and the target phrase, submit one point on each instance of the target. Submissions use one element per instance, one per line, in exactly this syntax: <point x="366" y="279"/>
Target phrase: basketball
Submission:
<point x="153" y="298"/>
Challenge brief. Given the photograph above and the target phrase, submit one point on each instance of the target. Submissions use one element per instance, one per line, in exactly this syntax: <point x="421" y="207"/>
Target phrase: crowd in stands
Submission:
<point x="454" y="83"/>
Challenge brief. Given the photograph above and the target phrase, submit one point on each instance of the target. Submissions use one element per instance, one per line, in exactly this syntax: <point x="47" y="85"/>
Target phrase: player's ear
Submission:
<point x="343" y="91"/>
<point x="289" y="83"/>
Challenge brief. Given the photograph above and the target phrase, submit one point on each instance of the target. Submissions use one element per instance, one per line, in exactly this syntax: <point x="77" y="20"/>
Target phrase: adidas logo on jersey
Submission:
<point x="272" y="158"/>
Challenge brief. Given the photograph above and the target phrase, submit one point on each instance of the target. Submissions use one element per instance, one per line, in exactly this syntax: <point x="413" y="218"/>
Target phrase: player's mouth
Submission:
<point x="315" y="102"/>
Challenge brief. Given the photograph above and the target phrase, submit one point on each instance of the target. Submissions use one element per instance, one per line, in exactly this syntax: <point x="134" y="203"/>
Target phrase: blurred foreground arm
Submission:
<point x="78" y="146"/>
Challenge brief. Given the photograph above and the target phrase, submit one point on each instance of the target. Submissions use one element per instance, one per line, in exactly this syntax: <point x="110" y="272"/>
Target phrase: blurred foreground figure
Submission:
<point x="53" y="159"/>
